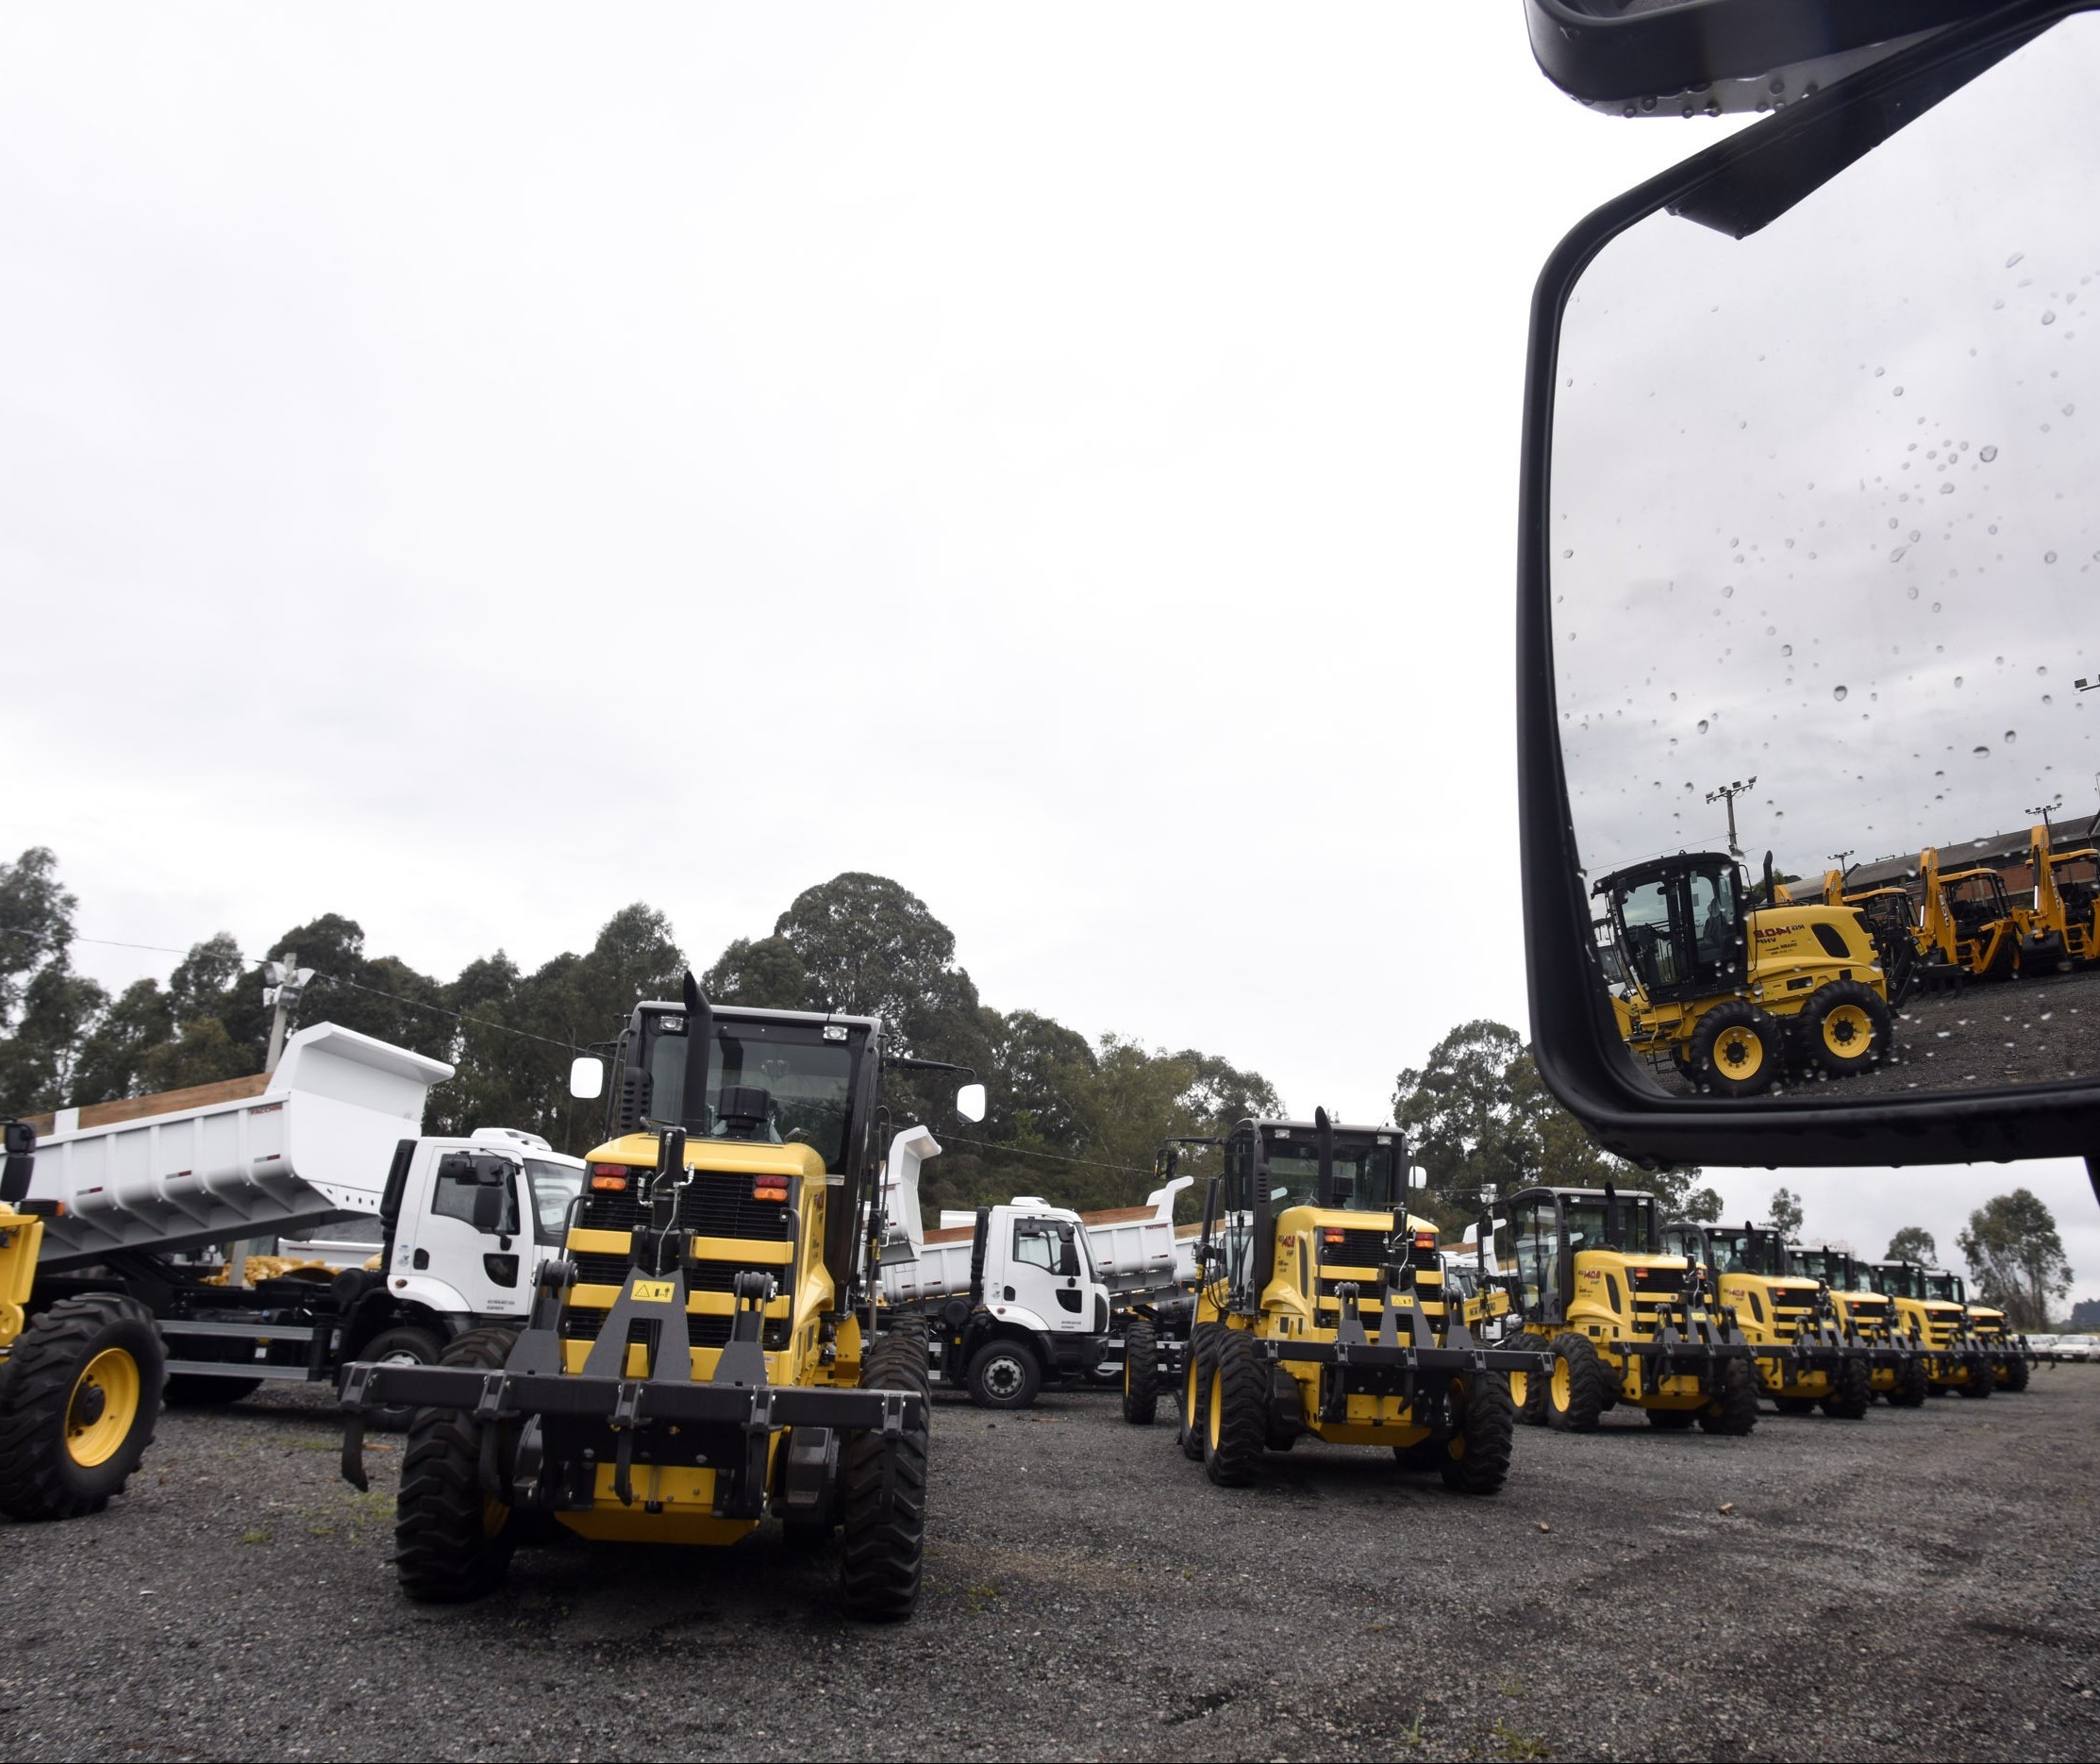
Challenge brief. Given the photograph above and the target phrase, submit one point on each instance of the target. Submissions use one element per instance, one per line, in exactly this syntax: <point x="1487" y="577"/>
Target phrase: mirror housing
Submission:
<point x="21" y="1162"/>
<point x="1581" y="1052"/>
<point x="587" y="1077"/>
<point x="970" y="1101"/>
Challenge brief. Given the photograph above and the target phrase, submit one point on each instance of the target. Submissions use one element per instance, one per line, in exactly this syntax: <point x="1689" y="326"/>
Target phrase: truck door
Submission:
<point x="470" y="1231"/>
<point x="1044" y="1273"/>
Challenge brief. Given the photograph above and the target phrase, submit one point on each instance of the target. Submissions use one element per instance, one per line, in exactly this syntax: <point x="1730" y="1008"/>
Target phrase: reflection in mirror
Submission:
<point x="1825" y="541"/>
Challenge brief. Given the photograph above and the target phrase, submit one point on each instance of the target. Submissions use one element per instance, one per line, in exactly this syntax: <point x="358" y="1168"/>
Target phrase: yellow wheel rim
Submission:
<point x="1563" y="1384"/>
<point x="103" y="1408"/>
<point x="1217" y="1411"/>
<point x="1126" y="1370"/>
<point x="494" y="1516"/>
<point x="1738" y="1052"/>
<point x="1519" y="1387"/>
<point x="1848" y="1032"/>
<point x="1188" y="1391"/>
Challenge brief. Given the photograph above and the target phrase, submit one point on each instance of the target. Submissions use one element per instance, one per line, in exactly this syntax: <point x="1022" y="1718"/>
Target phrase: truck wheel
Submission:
<point x="451" y="1542"/>
<point x="1981" y="1380"/>
<point x="1527" y="1390"/>
<point x="1737" y="1049"/>
<point x="1671" y="1420"/>
<point x="1852" y="1391"/>
<point x="1003" y="1374"/>
<point x="79" y="1398"/>
<point x="1140" y="1373"/>
<point x="1236" y="1419"/>
<point x="1195" y="1389"/>
<point x="1910" y="1387"/>
<point x="407" y="1345"/>
<point x="1477" y="1456"/>
<point x="200" y="1390"/>
<point x="1734" y="1408"/>
<point x="1845" y="1027"/>
<point x="884" y="1518"/>
<point x="1575" y="1393"/>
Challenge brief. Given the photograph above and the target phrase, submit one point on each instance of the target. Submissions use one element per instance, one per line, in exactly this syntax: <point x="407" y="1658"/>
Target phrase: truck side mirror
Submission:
<point x="587" y="1077"/>
<point x="490" y="1207"/>
<point x="1417" y="1177"/>
<point x="970" y="1101"/>
<point x="21" y="1162"/>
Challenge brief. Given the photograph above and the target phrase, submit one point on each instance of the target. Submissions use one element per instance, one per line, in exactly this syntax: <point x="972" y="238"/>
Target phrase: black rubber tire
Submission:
<point x="1477" y="1456"/>
<point x="1851" y="1390"/>
<point x="2017" y="1373"/>
<point x="1196" y="1389"/>
<point x="1236" y="1419"/>
<point x="41" y="1389"/>
<point x="1734" y="1410"/>
<point x="451" y="1543"/>
<point x="405" y="1343"/>
<point x="1763" y="1058"/>
<point x="1577" y="1407"/>
<point x="1982" y="1379"/>
<point x="883" y="1553"/>
<point x="1794" y="1404"/>
<point x="1003" y="1374"/>
<point x="1531" y="1404"/>
<point x="201" y="1390"/>
<point x="1671" y="1420"/>
<point x="1832" y="1034"/>
<point x="1140" y="1373"/>
<point x="1910" y="1386"/>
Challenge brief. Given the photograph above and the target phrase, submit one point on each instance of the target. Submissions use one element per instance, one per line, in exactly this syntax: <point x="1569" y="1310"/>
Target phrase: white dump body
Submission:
<point x="1138" y="1254"/>
<point x="313" y="1146"/>
<point x="936" y="1271"/>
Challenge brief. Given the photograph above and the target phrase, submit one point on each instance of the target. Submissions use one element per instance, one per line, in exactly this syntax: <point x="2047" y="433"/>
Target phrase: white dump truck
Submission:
<point x="134" y="1200"/>
<point x="1026" y="1293"/>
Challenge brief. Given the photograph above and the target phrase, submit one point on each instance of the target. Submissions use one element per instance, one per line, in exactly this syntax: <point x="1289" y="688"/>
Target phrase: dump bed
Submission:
<point x="255" y="1157"/>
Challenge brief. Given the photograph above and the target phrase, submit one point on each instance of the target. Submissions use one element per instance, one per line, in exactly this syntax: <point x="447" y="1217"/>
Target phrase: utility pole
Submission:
<point x="1728" y="793"/>
<point x="282" y="984"/>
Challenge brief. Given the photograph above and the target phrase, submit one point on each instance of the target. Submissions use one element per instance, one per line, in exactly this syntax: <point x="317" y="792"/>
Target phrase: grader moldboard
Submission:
<point x="703" y="1352"/>
<point x="1622" y="1322"/>
<point x="1805" y="1357"/>
<point x="1320" y="1311"/>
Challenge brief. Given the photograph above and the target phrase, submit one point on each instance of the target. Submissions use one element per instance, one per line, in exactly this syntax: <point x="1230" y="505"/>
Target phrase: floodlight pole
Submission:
<point x="1728" y="793"/>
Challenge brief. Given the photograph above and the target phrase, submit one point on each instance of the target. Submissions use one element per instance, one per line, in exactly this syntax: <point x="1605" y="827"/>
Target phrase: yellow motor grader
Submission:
<point x="1322" y="1312"/>
<point x="704" y="1351"/>
<point x="1734" y="994"/>
<point x="1623" y="1320"/>
<point x="1805" y="1357"/>
<point x="1897" y="1367"/>
<point x="1930" y="1306"/>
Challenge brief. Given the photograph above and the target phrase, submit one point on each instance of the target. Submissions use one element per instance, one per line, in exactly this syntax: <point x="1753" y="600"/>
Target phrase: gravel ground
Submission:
<point x="2030" y="1031"/>
<point x="1918" y="1584"/>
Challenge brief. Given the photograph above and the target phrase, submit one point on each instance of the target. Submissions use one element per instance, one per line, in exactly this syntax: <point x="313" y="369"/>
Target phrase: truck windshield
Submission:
<point x="553" y="1187"/>
<point x="808" y="1084"/>
<point x="1294" y="1166"/>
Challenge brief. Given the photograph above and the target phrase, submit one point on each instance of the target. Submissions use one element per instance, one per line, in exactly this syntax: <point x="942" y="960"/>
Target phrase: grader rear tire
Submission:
<point x="1527" y="1390"/>
<point x="451" y="1542"/>
<point x="1140" y="1373"/>
<point x="1575" y="1393"/>
<point x="1734" y="1410"/>
<point x="1851" y="1392"/>
<point x="1195" y="1389"/>
<point x="885" y="1539"/>
<point x="1844" y="1028"/>
<point x="1911" y="1385"/>
<point x="1738" y="1050"/>
<point x="1236" y="1419"/>
<point x="78" y="1399"/>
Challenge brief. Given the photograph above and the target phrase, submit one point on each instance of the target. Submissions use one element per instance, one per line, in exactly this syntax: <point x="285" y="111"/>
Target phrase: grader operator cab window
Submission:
<point x="1530" y="1242"/>
<point x="1946" y="1286"/>
<point x="1681" y="927"/>
<point x="1588" y="1227"/>
<point x="804" y="1085"/>
<point x="1371" y="1173"/>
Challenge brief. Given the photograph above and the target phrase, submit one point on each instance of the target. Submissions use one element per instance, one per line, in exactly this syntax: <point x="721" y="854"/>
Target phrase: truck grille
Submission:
<point x="1358" y="1249"/>
<point x="714" y="1205"/>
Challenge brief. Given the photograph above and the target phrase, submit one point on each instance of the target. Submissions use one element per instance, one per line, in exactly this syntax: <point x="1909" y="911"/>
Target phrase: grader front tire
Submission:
<point x="1851" y="1391"/>
<point x="1476" y="1457"/>
<point x="884" y="1524"/>
<point x="78" y="1399"/>
<point x="1734" y="1408"/>
<point x="1738" y="1050"/>
<point x="1236" y="1428"/>
<point x="1575" y="1393"/>
<point x="1140" y="1373"/>
<point x="451" y="1542"/>
<point x="1195" y="1389"/>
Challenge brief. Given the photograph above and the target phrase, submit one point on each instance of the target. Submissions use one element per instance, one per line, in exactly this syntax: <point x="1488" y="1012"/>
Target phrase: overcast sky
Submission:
<point x="471" y="467"/>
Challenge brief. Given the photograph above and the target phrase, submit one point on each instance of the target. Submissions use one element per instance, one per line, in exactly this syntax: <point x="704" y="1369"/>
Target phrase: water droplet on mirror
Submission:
<point x="1897" y="556"/>
<point x="2048" y="557"/>
<point x="2014" y="258"/>
<point x="1985" y="751"/>
<point x="1912" y="593"/>
<point x="1895" y="392"/>
<point x="1958" y="680"/>
<point x="1786" y="649"/>
<point x="1987" y="455"/>
<point x="2048" y="318"/>
<point x="1839" y="694"/>
<point x="1702" y="725"/>
<point x="1946" y="490"/>
<point x="2011" y="735"/>
<point x="1729" y="593"/>
<point x="1936" y="606"/>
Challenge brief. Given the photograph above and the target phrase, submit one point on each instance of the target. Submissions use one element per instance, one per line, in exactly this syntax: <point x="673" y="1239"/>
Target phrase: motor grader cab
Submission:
<point x="1623" y="1320"/>
<point x="1896" y="1369"/>
<point x="1931" y="1310"/>
<point x="703" y="1353"/>
<point x="2063" y="928"/>
<point x="1804" y="1355"/>
<point x="1322" y="1312"/>
<point x="1968" y="920"/>
<point x="80" y="1379"/>
<point x="1732" y="993"/>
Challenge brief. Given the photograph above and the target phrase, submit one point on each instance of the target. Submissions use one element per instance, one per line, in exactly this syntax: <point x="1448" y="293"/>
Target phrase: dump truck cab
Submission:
<point x="1624" y="1319"/>
<point x="1866" y="1316"/>
<point x="1804" y="1355"/>
<point x="703" y="1352"/>
<point x="1930" y="1307"/>
<point x="1733" y="994"/>
<point x="1322" y="1311"/>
